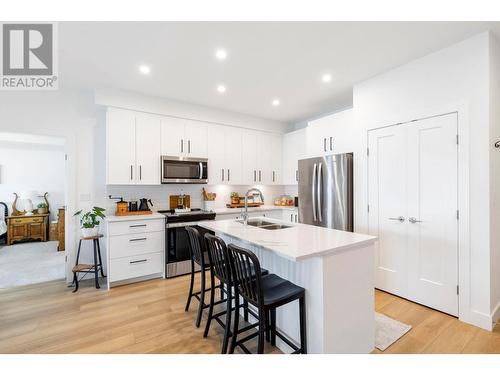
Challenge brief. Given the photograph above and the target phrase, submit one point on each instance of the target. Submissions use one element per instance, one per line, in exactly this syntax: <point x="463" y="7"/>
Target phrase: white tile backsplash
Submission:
<point x="159" y="194"/>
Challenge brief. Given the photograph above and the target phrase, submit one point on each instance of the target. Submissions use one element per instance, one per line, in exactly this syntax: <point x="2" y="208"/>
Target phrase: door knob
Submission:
<point x="413" y="220"/>
<point x="400" y="219"/>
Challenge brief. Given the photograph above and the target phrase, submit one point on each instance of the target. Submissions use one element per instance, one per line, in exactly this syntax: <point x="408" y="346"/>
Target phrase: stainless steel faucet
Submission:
<point x="245" y="213"/>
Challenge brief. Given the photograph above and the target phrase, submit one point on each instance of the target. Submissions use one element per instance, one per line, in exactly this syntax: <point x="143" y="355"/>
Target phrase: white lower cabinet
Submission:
<point x="136" y="249"/>
<point x="290" y="215"/>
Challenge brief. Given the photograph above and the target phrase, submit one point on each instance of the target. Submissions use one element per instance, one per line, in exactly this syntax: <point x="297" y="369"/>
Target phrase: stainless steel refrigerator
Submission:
<point x="326" y="191"/>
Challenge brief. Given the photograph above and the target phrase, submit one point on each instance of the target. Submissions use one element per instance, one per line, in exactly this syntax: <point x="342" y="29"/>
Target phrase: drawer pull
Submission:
<point x="138" y="261"/>
<point x="138" y="239"/>
<point x="137" y="226"/>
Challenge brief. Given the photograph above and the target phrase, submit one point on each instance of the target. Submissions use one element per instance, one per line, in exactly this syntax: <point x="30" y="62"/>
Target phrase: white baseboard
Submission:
<point x="495" y="316"/>
<point x="479" y="319"/>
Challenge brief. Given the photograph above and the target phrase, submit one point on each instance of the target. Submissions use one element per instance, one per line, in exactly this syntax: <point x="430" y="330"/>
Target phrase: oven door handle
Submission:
<point x="201" y="170"/>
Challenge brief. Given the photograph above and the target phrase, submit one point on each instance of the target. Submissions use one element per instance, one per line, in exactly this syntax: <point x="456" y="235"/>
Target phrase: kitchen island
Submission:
<point x="335" y="268"/>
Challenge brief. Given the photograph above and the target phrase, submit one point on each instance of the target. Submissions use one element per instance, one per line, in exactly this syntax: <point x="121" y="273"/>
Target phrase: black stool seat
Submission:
<point x="277" y="291"/>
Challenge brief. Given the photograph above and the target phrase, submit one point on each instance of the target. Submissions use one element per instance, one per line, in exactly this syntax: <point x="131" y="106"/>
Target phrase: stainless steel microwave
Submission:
<point x="181" y="170"/>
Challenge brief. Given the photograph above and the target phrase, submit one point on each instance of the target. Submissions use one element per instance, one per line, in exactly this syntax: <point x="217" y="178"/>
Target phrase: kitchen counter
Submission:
<point x="334" y="267"/>
<point x="298" y="242"/>
<point x="153" y="216"/>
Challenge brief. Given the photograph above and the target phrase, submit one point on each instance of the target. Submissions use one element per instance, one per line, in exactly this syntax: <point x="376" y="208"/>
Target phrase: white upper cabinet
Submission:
<point x="293" y="151"/>
<point x="331" y="134"/>
<point x="120" y="147"/>
<point x="132" y="148"/>
<point x="147" y="149"/>
<point x="249" y="151"/>
<point x="224" y="155"/>
<point x="195" y="133"/>
<point x="181" y="137"/>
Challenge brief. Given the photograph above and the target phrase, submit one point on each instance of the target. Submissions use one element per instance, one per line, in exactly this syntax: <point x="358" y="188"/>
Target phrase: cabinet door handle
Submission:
<point x="138" y="239"/>
<point x="296" y="175"/>
<point x="140" y="172"/>
<point x="229" y="175"/>
<point x="291" y="217"/>
<point x="254" y="176"/>
<point x="131" y="172"/>
<point x="324" y="144"/>
<point x="137" y="226"/>
<point x="331" y="143"/>
<point x="182" y="146"/>
<point x="260" y="175"/>
<point x="274" y="176"/>
<point x="138" y="261"/>
<point x="222" y="174"/>
<point x="189" y="146"/>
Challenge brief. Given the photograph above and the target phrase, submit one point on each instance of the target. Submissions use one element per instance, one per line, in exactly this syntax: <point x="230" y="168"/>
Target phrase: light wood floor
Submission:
<point x="149" y="317"/>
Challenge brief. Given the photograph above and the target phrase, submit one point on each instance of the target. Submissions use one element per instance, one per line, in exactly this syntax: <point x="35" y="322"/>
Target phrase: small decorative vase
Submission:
<point x="90" y="232"/>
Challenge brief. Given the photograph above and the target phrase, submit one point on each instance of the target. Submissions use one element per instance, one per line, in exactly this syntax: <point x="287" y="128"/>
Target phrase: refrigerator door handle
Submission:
<point x="319" y="186"/>
<point x="313" y="191"/>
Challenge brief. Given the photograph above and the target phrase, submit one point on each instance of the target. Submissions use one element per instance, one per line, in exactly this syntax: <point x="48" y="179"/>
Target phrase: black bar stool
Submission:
<point x="86" y="268"/>
<point x="200" y="257"/>
<point x="220" y="270"/>
<point x="266" y="293"/>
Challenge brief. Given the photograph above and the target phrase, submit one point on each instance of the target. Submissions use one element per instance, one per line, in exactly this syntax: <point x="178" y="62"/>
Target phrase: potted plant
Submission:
<point x="235" y="198"/>
<point x="43" y="208"/>
<point x="89" y="221"/>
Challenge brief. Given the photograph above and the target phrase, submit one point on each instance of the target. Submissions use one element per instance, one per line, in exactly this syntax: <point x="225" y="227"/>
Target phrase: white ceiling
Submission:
<point x="282" y="60"/>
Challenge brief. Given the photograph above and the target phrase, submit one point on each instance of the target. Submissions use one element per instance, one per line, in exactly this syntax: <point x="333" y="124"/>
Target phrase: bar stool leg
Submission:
<point x="262" y="330"/>
<point x="227" y="329"/>
<point x="190" y="295"/>
<point x="267" y="324"/>
<point x="236" y="321"/>
<point x="245" y="311"/>
<point x="273" y="327"/>
<point x="211" y="307"/>
<point x="202" y="298"/>
<point x="75" y="281"/>
<point x="100" y="259"/>
<point x="303" y="331"/>
<point x="78" y="252"/>
<point x="96" y="269"/>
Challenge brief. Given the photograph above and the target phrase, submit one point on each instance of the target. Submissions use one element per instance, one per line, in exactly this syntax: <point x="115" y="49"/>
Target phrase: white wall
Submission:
<point x="37" y="167"/>
<point x="453" y="79"/>
<point x="495" y="176"/>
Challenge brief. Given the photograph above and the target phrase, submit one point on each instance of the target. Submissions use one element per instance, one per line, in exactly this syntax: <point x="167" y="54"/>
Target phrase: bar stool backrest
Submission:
<point x="219" y="260"/>
<point x="249" y="284"/>
<point x="195" y="247"/>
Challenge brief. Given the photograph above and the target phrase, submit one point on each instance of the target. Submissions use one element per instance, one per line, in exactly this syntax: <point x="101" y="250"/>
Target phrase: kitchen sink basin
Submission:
<point x="259" y="223"/>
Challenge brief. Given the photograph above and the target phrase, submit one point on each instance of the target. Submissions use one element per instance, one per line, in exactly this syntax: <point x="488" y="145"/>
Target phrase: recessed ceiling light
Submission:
<point x="221" y="54"/>
<point x="326" y="78"/>
<point x="144" y="69"/>
<point x="276" y="102"/>
<point x="221" y="89"/>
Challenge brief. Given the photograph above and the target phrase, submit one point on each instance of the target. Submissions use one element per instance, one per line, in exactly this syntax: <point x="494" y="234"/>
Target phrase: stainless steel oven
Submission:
<point x="176" y="239"/>
<point x="181" y="170"/>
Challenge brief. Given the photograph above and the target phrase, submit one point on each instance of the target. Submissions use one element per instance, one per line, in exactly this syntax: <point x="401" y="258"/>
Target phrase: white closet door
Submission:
<point x="387" y="199"/>
<point x="432" y="213"/>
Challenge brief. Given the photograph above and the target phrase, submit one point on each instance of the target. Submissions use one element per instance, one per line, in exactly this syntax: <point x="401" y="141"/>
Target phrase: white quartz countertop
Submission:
<point x="153" y="216"/>
<point x="300" y="241"/>
<point x="266" y="207"/>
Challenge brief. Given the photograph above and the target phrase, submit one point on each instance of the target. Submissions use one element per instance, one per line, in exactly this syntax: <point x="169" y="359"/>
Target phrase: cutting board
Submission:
<point x="241" y="205"/>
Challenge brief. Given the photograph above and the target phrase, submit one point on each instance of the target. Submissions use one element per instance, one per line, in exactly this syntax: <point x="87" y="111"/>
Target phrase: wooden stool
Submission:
<point x="95" y="268"/>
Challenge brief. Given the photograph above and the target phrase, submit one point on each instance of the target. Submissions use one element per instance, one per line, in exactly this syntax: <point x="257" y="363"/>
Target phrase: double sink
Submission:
<point x="259" y="223"/>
